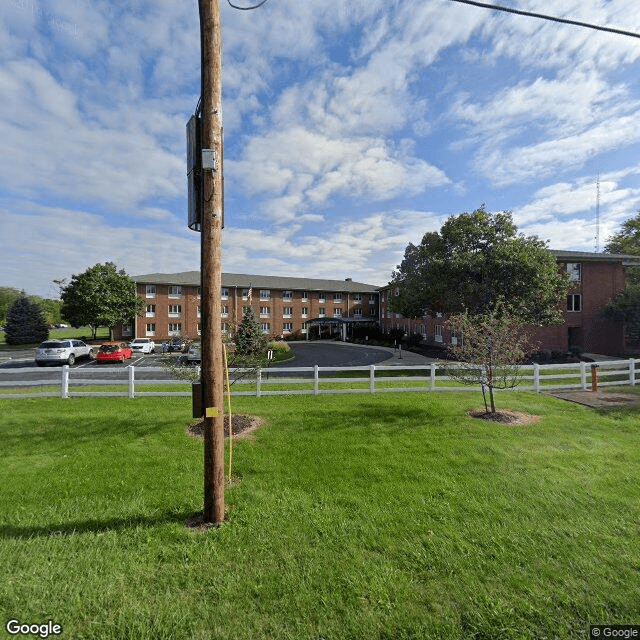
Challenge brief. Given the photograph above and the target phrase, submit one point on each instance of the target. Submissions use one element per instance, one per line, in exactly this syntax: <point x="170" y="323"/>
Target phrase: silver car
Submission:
<point x="62" y="351"/>
<point x="194" y="352"/>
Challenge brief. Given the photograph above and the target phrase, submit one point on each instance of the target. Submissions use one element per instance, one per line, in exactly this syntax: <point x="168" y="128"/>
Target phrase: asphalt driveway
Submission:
<point x="333" y="354"/>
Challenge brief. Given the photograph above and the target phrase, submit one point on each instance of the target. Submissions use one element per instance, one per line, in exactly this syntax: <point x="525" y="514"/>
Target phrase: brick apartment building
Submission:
<point x="282" y="305"/>
<point x="596" y="278"/>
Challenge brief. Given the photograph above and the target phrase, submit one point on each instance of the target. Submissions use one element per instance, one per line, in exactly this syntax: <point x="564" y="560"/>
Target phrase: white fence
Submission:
<point x="134" y="382"/>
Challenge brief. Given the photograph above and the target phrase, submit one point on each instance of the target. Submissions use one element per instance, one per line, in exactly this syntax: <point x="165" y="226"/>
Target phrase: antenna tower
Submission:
<point x="597" y="239"/>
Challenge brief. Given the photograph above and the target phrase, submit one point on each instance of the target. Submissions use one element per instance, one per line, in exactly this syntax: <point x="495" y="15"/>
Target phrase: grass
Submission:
<point x="389" y="517"/>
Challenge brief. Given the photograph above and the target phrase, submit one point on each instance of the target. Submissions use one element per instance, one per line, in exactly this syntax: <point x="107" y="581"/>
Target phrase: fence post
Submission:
<point x="315" y="380"/>
<point x="583" y="375"/>
<point x="64" y="389"/>
<point x="432" y="375"/>
<point x="372" y="378"/>
<point x="258" y="382"/>
<point x="132" y="391"/>
<point x="632" y="372"/>
<point x="536" y="377"/>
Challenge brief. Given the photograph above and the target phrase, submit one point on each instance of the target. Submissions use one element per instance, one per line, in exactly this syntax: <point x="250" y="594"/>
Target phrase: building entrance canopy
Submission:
<point x="343" y="327"/>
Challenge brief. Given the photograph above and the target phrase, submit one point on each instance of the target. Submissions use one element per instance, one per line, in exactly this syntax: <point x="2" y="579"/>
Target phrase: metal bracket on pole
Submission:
<point x="209" y="160"/>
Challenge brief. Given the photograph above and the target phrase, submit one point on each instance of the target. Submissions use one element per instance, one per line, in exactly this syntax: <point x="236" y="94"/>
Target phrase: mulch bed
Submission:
<point x="241" y="424"/>
<point x="504" y="416"/>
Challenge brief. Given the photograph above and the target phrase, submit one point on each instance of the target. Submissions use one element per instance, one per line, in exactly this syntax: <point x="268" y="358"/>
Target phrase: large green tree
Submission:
<point x="476" y="262"/>
<point x="25" y="323"/>
<point x="102" y="296"/>
<point x="626" y="305"/>
<point x="627" y="240"/>
<point x="250" y="341"/>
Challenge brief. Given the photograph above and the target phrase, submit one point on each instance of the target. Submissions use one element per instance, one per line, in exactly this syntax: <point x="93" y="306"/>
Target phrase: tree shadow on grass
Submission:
<point x="108" y="525"/>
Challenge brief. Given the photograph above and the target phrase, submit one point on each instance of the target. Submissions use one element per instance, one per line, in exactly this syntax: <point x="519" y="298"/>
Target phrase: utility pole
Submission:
<point x="212" y="372"/>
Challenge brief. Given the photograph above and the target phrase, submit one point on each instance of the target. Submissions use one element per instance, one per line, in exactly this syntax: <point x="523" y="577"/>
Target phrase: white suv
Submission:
<point x="143" y="345"/>
<point x="61" y="351"/>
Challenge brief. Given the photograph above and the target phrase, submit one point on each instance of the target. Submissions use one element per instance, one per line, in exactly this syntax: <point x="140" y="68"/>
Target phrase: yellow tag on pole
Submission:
<point x="212" y="412"/>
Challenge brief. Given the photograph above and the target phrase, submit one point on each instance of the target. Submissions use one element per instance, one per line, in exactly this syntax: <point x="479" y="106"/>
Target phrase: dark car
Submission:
<point x="177" y="345"/>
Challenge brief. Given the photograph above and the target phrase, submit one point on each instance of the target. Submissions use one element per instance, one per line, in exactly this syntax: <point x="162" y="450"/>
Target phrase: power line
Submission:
<point x="543" y="16"/>
<point x="255" y="6"/>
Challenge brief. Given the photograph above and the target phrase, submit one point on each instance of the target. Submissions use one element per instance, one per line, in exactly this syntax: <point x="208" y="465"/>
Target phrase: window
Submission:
<point x="357" y="313"/>
<point x="305" y="325"/>
<point x="151" y="311"/>
<point x="337" y="313"/>
<point x="175" y="310"/>
<point x="372" y="299"/>
<point x="175" y="291"/>
<point x="224" y="311"/>
<point x="199" y="292"/>
<point x="287" y="312"/>
<point x="245" y="294"/>
<point x="305" y="296"/>
<point x="151" y="291"/>
<point x="574" y="269"/>
<point x="454" y="338"/>
<point x="175" y="328"/>
<point x="438" y="333"/>
<point x="287" y="295"/>
<point x="265" y="294"/>
<point x="357" y="297"/>
<point x="321" y="312"/>
<point x="225" y="327"/>
<point x="266" y="327"/>
<point x="224" y="293"/>
<point x="337" y="298"/>
<point x="574" y="302"/>
<point x="199" y="328"/>
<point x="151" y="329"/>
<point x="287" y="327"/>
<point x="264" y="312"/>
<point x="199" y="312"/>
<point x="321" y="297"/>
<point x="305" y="312"/>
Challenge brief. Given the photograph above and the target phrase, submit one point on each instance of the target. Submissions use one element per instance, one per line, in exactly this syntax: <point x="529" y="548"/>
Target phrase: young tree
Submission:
<point x="25" y="323"/>
<point x="249" y="338"/>
<point x="476" y="260"/>
<point x="102" y="296"/>
<point x="489" y="350"/>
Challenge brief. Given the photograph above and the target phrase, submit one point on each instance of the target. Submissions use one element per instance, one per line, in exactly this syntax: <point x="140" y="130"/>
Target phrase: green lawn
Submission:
<point x="83" y="333"/>
<point x="352" y="517"/>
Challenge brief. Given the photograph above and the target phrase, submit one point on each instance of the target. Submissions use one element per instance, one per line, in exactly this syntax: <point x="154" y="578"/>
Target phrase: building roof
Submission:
<point x="587" y="256"/>
<point x="241" y="280"/>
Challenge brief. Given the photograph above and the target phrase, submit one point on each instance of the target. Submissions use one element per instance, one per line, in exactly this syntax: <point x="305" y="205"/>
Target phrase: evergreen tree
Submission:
<point x="249" y="338"/>
<point x="25" y="323"/>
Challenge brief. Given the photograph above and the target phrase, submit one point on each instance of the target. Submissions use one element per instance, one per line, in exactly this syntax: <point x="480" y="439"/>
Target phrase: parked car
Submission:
<point x="177" y="345"/>
<point x="62" y="351"/>
<point x="114" y="352"/>
<point x="194" y="354"/>
<point x="143" y="345"/>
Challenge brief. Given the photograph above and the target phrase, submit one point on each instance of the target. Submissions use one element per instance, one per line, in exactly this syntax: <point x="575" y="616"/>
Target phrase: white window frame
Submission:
<point x="265" y="312"/>
<point x="287" y="312"/>
<point x="572" y="298"/>
<point x="151" y="311"/>
<point x="224" y="293"/>
<point x="224" y="311"/>
<point x="337" y="298"/>
<point x="574" y="269"/>
<point x="151" y="291"/>
<point x="150" y="329"/>
<point x="175" y="310"/>
<point x="304" y="296"/>
<point x="266" y="327"/>
<point x="438" y="333"/>
<point x="305" y="312"/>
<point x="175" y="291"/>
<point x="175" y="328"/>
<point x="287" y="295"/>
<point x="287" y="327"/>
<point x="337" y="313"/>
<point x="265" y="294"/>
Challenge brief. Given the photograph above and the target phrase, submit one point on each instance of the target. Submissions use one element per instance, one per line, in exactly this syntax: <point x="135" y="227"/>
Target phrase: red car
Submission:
<point x="113" y="352"/>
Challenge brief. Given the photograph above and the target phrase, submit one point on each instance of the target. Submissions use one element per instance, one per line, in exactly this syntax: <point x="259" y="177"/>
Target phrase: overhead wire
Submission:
<point x="542" y="16"/>
<point x="255" y="6"/>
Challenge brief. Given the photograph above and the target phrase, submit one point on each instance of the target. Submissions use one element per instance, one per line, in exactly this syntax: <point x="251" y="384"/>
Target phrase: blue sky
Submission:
<point x="352" y="127"/>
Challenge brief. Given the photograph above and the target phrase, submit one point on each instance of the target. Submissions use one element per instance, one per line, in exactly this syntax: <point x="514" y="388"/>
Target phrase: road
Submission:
<point x="306" y="354"/>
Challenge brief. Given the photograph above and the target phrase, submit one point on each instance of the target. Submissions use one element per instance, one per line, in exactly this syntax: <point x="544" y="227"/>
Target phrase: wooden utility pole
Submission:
<point x="212" y="376"/>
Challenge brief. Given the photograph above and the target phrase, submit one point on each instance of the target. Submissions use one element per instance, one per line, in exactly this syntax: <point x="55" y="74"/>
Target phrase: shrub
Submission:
<point x="25" y="323"/>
